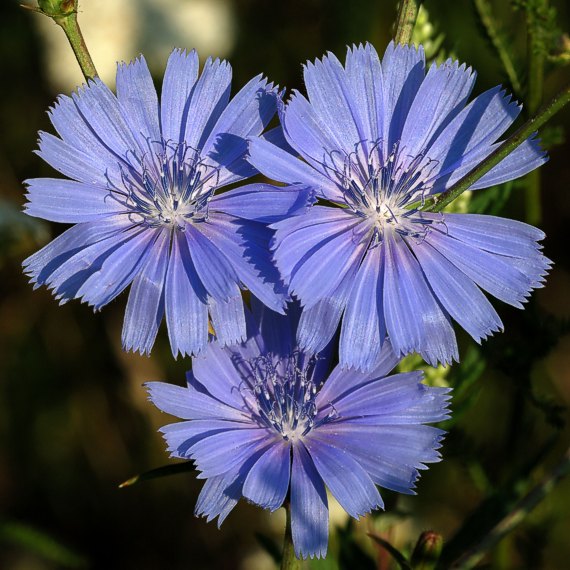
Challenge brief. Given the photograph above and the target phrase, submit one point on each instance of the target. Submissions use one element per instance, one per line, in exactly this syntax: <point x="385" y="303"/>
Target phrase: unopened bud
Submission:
<point x="427" y="550"/>
<point x="57" y="8"/>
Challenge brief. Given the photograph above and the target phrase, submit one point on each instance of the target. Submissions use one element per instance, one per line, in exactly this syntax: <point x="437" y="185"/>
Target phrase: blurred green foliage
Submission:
<point x="74" y="420"/>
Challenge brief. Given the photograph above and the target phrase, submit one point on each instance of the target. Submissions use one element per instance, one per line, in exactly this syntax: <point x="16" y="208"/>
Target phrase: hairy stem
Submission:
<point x="289" y="560"/>
<point x="64" y="14"/>
<point x="72" y="30"/>
<point x="545" y="113"/>
<point x="407" y="15"/>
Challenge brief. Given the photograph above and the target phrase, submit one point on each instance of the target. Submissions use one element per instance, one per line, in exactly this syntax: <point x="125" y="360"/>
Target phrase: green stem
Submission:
<point x="72" y="30"/>
<point x="289" y="560"/>
<point x="546" y="112"/>
<point x="407" y="15"/>
<point x="516" y="516"/>
<point x="535" y="57"/>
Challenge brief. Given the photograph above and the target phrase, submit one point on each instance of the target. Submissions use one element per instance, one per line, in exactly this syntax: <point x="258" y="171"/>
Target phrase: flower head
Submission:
<point x="142" y="185"/>
<point x="378" y="138"/>
<point x="265" y="421"/>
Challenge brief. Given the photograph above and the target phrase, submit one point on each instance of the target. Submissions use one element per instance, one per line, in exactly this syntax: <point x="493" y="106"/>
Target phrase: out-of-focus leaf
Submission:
<point x="40" y="543"/>
<point x="164" y="471"/>
<point x="394" y="552"/>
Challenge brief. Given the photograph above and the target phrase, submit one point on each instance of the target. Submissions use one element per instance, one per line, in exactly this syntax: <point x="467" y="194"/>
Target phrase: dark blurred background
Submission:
<point x="74" y="420"/>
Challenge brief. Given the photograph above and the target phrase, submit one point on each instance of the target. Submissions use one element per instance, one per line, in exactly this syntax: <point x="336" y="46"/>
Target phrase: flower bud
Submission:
<point x="57" y="8"/>
<point x="427" y="550"/>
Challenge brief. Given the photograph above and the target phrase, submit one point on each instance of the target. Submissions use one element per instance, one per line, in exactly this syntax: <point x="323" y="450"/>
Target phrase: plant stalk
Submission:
<point x="289" y="560"/>
<point x="72" y="30"/>
<point x="407" y="15"/>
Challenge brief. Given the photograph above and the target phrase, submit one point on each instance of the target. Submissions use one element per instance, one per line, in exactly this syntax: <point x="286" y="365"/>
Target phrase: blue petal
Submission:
<point x="306" y="134"/>
<point x="228" y="320"/>
<point x="494" y="234"/>
<point x="474" y="129"/>
<point x="441" y="96"/>
<point x="300" y="245"/>
<point x="118" y="269"/>
<point x="189" y="404"/>
<point x="318" y="324"/>
<point x="246" y="246"/>
<point x="222" y="451"/>
<point x="386" y="397"/>
<point x="276" y="137"/>
<point x="277" y="332"/>
<point x="414" y="319"/>
<point x="264" y="202"/>
<point x="137" y="95"/>
<point x="496" y="274"/>
<point x="403" y="73"/>
<point x="41" y="265"/>
<point x="363" y="328"/>
<point x="323" y="267"/>
<point x="179" y="80"/>
<point x="145" y="307"/>
<point x="246" y="115"/>
<point x="71" y="275"/>
<point x="364" y="78"/>
<point x="279" y="165"/>
<point x="214" y="269"/>
<point x="344" y="477"/>
<point x="60" y="200"/>
<point x="344" y="380"/>
<point x="181" y="436"/>
<point x="309" y="507"/>
<point x="267" y="482"/>
<point x="216" y="370"/>
<point x="75" y="130"/>
<point x="107" y="118"/>
<point x="461" y="298"/>
<point x="75" y="163"/>
<point x="186" y="302"/>
<point x="524" y="159"/>
<point x="210" y="96"/>
<point x="218" y="497"/>
<point x="391" y="455"/>
<point x="333" y="103"/>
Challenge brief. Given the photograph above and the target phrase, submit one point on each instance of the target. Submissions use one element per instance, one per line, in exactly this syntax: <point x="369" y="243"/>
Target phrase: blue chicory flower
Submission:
<point x="267" y="422"/>
<point x="377" y="139"/>
<point x="142" y="178"/>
